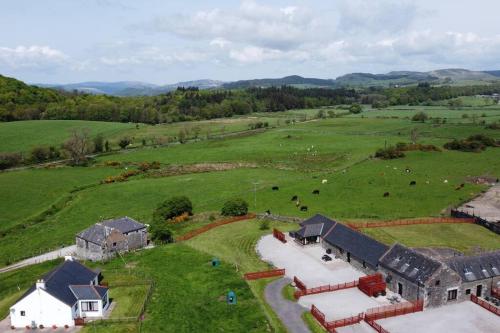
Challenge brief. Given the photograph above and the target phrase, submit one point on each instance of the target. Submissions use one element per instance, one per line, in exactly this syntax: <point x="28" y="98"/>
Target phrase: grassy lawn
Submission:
<point x="129" y="300"/>
<point x="462" y="237"/>
<point x="312" y="323"/>
<point x="189" y="293"/>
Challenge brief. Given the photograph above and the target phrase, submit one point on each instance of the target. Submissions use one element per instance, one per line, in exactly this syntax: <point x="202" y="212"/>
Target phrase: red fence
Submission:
<point x="324" y="289"/>
<point x="279" y="235"/>
<point x="299" y="284"/>
<point x="210" y="226"/>
<point x="265" y="274"/>
<point x="430" y="220"/>
<point x="320" y="316"/>
<point x="344" y="322"/>
<point x="376" y="326"/>
<point x="495" y="292"/>
<point x="372" y="285"/>
<point x="484" y="304"/>
<point x="394" y="310"/>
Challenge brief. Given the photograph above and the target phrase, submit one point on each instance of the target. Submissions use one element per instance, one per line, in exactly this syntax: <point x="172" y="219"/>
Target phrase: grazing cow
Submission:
<point x="268" y="212"/>
<point x="276" y="188"/>
<point x="386" y="194"/>
<point x="303" y="208"/>
<point x="297" y="203"/>
<point x="294" y="198"/>
<point x="324" y="181"/>
<point x="460" y="186"/>
<point x="315" y="192"/>
<point x="413" y="183"/>
<point x="407" y="170"/>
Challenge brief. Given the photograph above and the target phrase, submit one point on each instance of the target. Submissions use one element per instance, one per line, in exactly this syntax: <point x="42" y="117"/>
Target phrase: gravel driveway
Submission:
<point x="64" y="251"/>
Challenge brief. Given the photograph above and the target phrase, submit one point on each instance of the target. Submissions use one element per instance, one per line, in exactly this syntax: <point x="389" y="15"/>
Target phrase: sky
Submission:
<point x="167" y="41"/>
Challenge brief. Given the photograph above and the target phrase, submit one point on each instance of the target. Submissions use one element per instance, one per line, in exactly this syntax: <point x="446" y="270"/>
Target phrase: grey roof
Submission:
<point x="124" y="224"/>
<point x="472" y="268"/>
<point x="319" y="219"/>
<point x="58" y="281"/>
<point x="98" y="232"/>
<point x="357" y="244"/>
<point x="311" y="230"/>
<point x="409" y="264"/>
<point x="88" y="292"/>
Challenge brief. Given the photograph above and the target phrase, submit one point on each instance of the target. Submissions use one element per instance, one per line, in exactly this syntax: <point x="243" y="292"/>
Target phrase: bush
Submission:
<point x="173" y="207"/>
<point x="355" y="108"/>
<point x="389" y="153"/>
<point x="474" y="143"/>
<point x="264" y="225"/>
<point x="159" y="232"/>
<point x="124" y="142"/>
<point x="10" y="160"/>
<point x="98" y="144"/>
<point x="420" y="116"/>
<point x="235" y="207"/>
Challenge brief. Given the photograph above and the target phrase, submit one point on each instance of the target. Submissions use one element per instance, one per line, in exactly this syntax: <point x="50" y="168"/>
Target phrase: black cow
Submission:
<point x="268" y="212"/>
<point x="276" y="188"/>
<point x="303" y="208"/>
<point x="315" y="192"/>
<point x="386" y="194"/>
<point x="294" y="198"/>
<point x="413" y="183"/>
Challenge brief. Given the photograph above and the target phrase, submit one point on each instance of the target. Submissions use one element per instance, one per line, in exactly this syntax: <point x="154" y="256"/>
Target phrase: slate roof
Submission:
<point x="359" y="245"/>
<point x="59" y="280"/>
<point x="88" y="292"/>
<point x="124" y="224"/>
<point x="98" y="232"/>
<point x="310" y="230"/>
<point x="409" y="264"/>
<point x="472" y="268"/>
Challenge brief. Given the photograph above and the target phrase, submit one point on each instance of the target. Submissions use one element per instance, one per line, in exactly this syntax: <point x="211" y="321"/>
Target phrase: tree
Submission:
<point x="39" y="154"/>
<point x="420" y="116"/>
<point x="235" y="207"/>
<point x="173" y="207"/>
<point x="414" y="135"/>
<point x="99" y="144"/>
<point x="124" y="142"/>
<point x="106" y="146"/>
<point x="9" y="160"/>
<point x="355" y="108"/>
<point x="78" y="145"/>
<point x="182" y="136"/>
<point x="160" y="232"/>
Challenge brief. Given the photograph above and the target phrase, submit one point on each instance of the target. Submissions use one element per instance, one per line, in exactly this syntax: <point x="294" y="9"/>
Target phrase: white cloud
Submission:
<point x="31" y="57"/>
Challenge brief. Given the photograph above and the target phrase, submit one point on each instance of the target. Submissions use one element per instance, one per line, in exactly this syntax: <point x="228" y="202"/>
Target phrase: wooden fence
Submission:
<point x="394" y="310"/>
<point x="377" y="327"/>
<point x="299" y="284"/>
<point x="372" y="285"/>
<point x="484" y="304"/>
<point x="316" y="313"/>
<point x="396" y="223"/>
<point x="324" y="289"/>
<point x="344" y="322"/>
<point x="279" y="235"/>
<point x="264" y="274"/>
<point x="210" y="226"/>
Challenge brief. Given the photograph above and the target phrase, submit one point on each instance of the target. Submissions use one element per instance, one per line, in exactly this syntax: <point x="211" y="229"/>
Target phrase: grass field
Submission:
<point x="462" y="237"/>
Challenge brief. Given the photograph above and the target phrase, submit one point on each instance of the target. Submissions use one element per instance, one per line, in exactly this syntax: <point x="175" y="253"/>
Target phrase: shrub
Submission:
<point x="159" y="232"/>
<point x="420" y="116"/>
<point x="181" y="218"/>
<point x="98" y="144"/>
<point x="173" y="207"/>
<point x="355" y="108"/>
<point x="474" y="143"/>
<point x="235" y="207"/>
<point x="124" y="142"/>
<point x="10" y="160"/>
<point x="389" y="153"/>
<point x="264" y="225"/>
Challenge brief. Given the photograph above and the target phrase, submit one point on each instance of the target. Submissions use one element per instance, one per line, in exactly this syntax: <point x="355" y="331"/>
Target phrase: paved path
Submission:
<point x="64" y="251"/>
<point x="289" y="312"/>
<point x="5" y="328"/>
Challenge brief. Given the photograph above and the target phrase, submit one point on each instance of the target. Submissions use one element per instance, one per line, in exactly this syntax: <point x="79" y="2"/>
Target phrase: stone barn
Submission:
<point x="416" y="276"/>
<point x="479" y="274"/>
<point x="104" y="239"/>
<point x="356" y="248"/>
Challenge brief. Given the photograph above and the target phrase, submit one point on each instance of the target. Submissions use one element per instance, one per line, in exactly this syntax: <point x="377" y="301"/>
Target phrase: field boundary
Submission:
<point x="264" y="274"/>
<point x="211" y="226"/>
<point x="406" y="222"/>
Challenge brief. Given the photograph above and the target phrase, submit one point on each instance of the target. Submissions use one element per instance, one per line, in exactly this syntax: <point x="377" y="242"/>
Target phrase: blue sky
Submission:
<point x="62" y="41"/>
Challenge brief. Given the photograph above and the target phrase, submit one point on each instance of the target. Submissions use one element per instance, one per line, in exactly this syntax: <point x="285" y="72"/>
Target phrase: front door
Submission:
<point x="348" y="256"/>
<point x="479" y="290"/>
<point x="400" y="288"/>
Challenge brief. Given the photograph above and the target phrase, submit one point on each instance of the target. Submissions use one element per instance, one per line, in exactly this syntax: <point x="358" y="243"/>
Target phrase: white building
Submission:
<point x="68" y="292"/>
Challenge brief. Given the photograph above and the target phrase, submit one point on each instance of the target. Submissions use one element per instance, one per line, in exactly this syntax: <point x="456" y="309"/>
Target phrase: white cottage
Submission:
<point x="68" y="292"/>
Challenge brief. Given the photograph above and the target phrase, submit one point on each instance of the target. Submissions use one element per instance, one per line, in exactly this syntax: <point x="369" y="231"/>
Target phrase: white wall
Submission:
<point x="41" y="308"/>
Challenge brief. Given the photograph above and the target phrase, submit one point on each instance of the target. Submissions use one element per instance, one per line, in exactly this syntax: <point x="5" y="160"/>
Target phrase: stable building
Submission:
<point x="69" y="292"/>
<point x="104" y="239"/>
<point x="313" y="229"/>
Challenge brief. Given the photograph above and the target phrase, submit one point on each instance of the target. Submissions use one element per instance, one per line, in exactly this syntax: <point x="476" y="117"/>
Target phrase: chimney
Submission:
<point x="68" y="258"/>
<point x="40" y="284"/>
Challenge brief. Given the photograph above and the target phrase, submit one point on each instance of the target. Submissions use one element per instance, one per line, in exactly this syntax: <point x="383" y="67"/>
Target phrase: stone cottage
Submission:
<point x="104" y="239"/>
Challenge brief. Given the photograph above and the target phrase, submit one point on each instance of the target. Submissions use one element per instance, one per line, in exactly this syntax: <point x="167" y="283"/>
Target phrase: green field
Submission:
<point x="295" y="157"/>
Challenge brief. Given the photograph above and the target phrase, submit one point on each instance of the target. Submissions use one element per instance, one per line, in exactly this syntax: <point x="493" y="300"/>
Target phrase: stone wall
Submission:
<point x="137" y="239"/>
<point x="88" y="250"/>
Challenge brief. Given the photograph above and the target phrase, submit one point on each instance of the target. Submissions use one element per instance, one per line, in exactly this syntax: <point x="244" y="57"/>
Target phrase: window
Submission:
<point x="438" y="282"/>
<point x="23" y="313"/>
<point x="114" y="244"/>
<point x="90" y="306"/>
<point x="86" y="244"/>
<point x="364" y="264"/>
<point x="467" y="291"/>
<point x="452" y="294"/>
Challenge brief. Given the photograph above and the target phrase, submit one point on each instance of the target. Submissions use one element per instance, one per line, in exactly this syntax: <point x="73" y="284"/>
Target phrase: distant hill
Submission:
<point x="130" y="88"/>
<point x="293" y="80"/>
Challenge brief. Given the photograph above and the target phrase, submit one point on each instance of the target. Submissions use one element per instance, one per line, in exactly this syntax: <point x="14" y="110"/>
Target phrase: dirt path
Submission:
<point x="64" y="251"/>
<point x="289" y="312"/>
